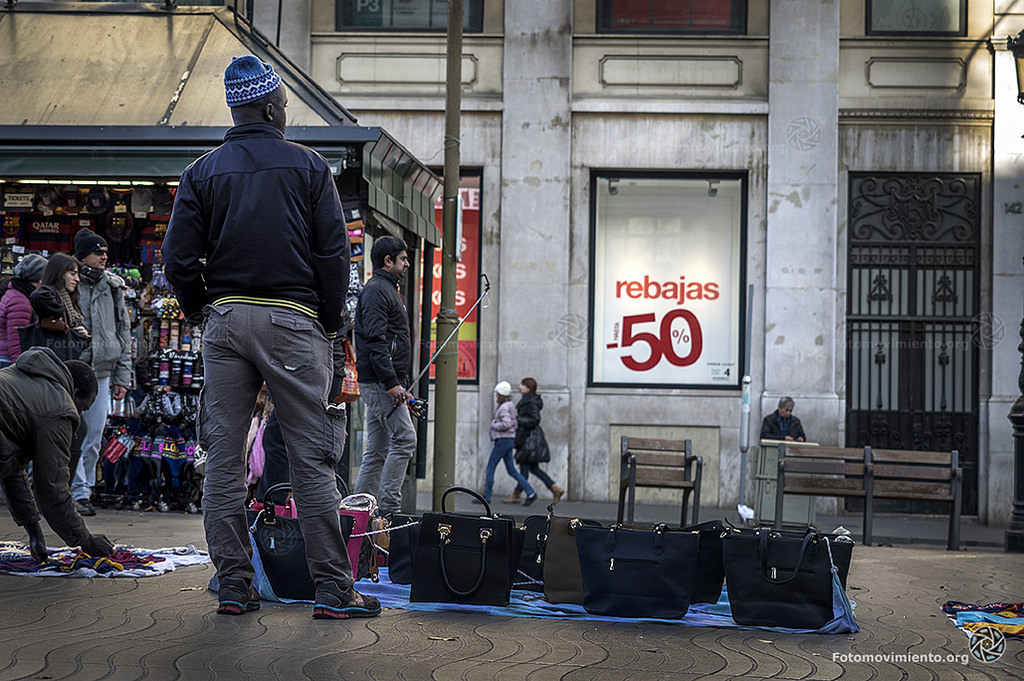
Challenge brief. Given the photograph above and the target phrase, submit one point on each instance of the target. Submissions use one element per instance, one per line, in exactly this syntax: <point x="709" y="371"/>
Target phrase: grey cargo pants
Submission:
<point x="244" y="345"/>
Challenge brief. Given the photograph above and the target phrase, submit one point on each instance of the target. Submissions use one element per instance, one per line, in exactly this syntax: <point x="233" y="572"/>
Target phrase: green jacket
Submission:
<point x="106" y="320"/>
<point x="37" y="421"/>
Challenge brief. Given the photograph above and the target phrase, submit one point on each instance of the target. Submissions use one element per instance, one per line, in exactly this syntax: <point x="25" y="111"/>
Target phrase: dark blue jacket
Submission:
<point x="383" y="346"/>
<point x="266" y="216"/>
<point x="771" y="427"/>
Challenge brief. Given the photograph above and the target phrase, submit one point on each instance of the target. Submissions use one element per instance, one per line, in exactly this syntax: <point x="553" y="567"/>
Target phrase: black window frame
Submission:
<point x="962" y="31"/>
<point x="473" y="12"/>
<point x="738" y="12"/>
<point x="744" y="178"/>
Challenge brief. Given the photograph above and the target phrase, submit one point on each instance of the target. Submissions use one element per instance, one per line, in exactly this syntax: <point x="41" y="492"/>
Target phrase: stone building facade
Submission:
<point x="869" y="157"/>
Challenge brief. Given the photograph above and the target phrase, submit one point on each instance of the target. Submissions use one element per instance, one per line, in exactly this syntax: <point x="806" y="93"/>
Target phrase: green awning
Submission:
<point x="133" y="91"/>
<point x="112" y="162"/>
<point x="401" y="188"/>
<point x="74" y="162"/>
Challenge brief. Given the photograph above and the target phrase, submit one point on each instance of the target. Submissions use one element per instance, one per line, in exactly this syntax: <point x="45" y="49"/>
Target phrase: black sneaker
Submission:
<point x="84" y="508"/>
<point x="530" y="499"/>
<point x="332" y="604"/>
<point x="236" y="597"/>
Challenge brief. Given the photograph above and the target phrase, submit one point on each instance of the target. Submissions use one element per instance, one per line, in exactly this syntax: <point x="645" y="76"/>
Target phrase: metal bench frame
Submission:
<point x="670" y="464"/>
<point x="871" y="474"/>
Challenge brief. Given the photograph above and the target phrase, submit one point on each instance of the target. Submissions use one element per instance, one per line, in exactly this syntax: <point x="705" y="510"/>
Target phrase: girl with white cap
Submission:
<point x="503" y="433"/>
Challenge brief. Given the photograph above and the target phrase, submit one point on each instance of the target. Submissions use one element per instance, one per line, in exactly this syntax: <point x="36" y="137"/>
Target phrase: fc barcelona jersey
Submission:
<point x="46" y="232"/>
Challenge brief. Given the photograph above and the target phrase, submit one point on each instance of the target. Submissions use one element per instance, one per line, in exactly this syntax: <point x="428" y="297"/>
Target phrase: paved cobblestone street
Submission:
<point x="164" y="627"/>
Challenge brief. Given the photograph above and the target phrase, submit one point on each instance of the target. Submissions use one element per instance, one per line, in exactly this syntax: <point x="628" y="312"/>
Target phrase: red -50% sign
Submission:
<point x="668" y="340"/>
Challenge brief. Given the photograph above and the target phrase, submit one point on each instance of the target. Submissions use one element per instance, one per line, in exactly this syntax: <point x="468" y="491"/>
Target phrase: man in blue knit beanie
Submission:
<point x="258" y="253"/>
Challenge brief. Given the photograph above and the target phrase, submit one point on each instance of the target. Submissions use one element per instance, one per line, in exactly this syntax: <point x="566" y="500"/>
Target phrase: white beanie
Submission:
<point x="503" y="389"/>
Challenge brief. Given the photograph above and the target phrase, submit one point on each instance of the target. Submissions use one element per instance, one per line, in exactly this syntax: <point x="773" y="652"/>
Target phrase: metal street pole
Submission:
<point x="446" y="374"/>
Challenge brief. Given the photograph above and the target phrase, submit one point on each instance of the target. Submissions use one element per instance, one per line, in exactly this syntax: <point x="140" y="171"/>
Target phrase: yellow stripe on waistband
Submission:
<point x="269" y="302"/>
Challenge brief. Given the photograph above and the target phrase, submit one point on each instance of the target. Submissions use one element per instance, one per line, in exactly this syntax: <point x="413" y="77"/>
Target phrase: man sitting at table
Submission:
<point x="781" y="424"/>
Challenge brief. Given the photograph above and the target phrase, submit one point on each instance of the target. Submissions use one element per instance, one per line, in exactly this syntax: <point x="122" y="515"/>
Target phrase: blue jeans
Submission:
<point x="95" y="418"/>
<point x="526" y="468"/>
<point x="502" y="451"/>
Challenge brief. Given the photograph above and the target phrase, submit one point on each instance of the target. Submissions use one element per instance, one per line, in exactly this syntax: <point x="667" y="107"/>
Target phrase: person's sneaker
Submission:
<point x="332" y="604"/>
<point x="236" y="597"/>
<point x="530" y="499"/>
<point x="84" y="508"/>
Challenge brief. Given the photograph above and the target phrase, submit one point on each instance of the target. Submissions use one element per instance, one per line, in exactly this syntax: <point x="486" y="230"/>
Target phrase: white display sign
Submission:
<point x="667" y="281"/>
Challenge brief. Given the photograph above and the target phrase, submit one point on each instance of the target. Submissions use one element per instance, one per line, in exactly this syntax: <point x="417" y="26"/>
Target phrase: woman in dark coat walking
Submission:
<point x="531" y="445"/>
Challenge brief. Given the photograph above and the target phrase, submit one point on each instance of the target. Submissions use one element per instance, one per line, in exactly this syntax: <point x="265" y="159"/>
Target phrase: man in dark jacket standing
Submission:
<point x="384" y="362"/>
<point x="101" y="295"/>
<point x="40" y="402"/>
<point x="265" y="215"/>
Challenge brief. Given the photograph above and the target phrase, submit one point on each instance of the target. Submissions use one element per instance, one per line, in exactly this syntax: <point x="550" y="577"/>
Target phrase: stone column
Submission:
<point x="802" y="341"/>
<point x="534" y="247"/>
<point x="1001" y="331"/>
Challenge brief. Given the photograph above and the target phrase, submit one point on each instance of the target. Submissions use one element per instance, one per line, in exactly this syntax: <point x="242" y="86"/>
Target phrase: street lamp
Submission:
<point x="1015" y="535"/>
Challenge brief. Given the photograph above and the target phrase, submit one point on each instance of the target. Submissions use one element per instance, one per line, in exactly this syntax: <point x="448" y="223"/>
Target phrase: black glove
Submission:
<point x="36" y="542"/>
<point x="336" y="383"/>
<point x="97" y="545"/>
<point x="338" y="373"/>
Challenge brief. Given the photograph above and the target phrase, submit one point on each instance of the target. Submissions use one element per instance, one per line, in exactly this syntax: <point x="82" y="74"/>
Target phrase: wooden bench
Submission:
<point x="871" y="474"/>
<point x="659" y="463"/>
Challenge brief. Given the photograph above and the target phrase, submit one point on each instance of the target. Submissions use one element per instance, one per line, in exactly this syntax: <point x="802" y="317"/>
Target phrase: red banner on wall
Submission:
<point x="467" y="278"/>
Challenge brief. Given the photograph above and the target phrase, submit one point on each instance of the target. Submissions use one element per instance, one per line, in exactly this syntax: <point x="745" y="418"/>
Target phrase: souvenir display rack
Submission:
<point x="148" y="454"/>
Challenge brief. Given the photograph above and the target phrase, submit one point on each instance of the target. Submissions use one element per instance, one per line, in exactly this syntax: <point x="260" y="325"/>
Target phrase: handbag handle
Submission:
<point x="444" y="531"/>
<point x="268" y="496"/>
<point x="762" y="551"/>
<point x="464" y="490"/>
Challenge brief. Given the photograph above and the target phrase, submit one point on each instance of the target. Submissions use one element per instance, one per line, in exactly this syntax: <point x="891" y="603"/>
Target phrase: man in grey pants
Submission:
<point x="384" y="362"/>
<point x="265" y="215"/>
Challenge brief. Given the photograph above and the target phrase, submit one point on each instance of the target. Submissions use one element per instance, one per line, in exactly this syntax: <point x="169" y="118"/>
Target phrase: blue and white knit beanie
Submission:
<point x="247" y="79"/>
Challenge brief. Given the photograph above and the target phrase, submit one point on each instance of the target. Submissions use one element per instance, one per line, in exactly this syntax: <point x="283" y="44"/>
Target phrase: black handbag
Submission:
<point x="562" y="581"/>
<point x="534" y="447"/>
<point x="282" y="549"/>
<point x="465" y="558"/>
<point x="637" y="573"/>
<point x="783" y="579"/>
<point x="707" y="588"/>
<point x="66" y="345"/>
<point x="531" y="561"/>
<point x="403" y="535"/>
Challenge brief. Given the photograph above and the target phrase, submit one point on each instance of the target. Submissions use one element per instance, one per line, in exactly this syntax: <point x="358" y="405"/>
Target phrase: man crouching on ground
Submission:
<point x="41" y="401"/>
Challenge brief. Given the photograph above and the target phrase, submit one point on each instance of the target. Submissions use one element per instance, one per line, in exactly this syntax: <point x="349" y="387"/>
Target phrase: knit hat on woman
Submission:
<point x="31" y="267"/>
<point x="504" y="389"/>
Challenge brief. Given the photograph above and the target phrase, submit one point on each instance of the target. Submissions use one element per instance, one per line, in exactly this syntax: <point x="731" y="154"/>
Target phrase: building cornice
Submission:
<point x="975" y="116"/>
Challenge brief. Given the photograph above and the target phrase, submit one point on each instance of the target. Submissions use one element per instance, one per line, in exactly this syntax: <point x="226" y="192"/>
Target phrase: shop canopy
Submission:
<point x="108" y="91"/>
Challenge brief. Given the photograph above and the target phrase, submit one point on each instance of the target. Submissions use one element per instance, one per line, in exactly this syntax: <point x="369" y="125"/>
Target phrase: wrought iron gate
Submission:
<point x="912" y="306"/>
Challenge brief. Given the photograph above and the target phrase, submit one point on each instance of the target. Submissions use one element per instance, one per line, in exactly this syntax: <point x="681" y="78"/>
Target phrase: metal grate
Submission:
<point x="912" y="317"/>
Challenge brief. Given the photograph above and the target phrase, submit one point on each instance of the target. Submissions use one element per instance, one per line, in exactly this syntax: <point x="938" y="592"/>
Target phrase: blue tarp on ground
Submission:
<point x="524" y="603"/>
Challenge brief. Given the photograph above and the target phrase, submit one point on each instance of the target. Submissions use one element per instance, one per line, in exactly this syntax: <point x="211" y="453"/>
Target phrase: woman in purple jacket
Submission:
<point x="503" y="433"/>
<point x="15" y="308"/>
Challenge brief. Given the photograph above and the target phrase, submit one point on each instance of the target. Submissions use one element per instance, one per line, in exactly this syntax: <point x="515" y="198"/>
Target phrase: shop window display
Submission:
<point x="149" y="455"/>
